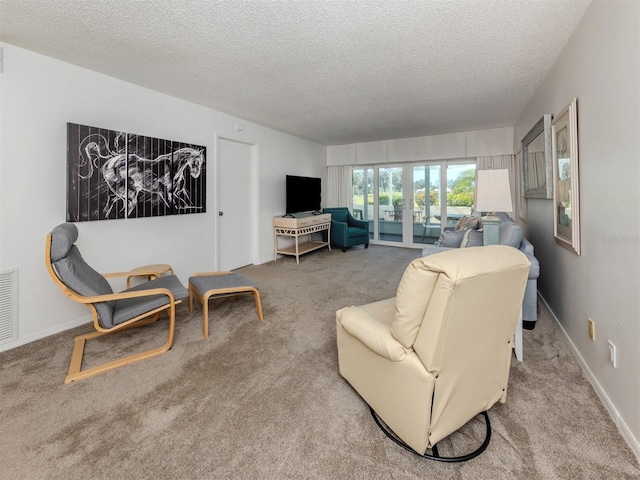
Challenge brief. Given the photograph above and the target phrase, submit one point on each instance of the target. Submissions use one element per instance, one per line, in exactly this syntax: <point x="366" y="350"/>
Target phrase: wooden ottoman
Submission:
<point x="220" y="284"/>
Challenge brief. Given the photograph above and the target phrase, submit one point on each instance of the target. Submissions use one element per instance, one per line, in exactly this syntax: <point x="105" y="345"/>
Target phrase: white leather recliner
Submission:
<point x="437" y="354"/>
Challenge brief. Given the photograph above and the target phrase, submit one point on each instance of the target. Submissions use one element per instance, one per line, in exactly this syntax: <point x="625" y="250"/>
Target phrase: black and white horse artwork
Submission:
<point x="118" y="175"/>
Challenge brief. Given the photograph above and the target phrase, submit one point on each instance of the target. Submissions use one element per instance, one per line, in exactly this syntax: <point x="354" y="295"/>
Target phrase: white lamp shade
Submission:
<point x="493" y="191"/>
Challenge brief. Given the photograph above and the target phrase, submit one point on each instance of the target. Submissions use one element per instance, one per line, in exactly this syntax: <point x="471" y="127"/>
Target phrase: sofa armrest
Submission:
<point x="534" y="270"/>
<point x="431" y="249"/>
<point x="354" y="222"/>
<point x="339" y="229"/>
<point x="374" y="334"/>
<point x="526" y="247"/>
<point x="338" y="234"/>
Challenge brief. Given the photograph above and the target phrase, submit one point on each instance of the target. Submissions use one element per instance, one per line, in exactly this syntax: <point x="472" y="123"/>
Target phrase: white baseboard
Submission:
<point x="265" y="260"/>
<point x="623" y="428"/>
<point x="46" y="333"/>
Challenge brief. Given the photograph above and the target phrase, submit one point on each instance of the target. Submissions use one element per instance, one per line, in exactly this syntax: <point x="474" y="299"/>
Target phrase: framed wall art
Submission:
<point x="566" y="185"/>
<point x="113" y="174"/>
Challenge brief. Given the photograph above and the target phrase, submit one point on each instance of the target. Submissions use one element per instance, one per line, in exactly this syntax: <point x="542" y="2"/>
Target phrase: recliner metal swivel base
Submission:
<point x="434" y="449"/>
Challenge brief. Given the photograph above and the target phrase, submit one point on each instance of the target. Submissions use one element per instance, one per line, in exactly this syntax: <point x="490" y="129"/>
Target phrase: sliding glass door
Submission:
<point x="363" y="196"/>
<point x="406" y="204"/>
<point x="391" y="203"/>
<point x="426" y="203"/>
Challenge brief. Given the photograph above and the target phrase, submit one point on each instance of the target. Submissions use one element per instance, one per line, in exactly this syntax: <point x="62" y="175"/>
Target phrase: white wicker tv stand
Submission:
<point x="298" y="225"/>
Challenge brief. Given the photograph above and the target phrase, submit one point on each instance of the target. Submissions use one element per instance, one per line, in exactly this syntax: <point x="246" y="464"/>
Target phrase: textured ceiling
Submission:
<point x="330" y="71"/>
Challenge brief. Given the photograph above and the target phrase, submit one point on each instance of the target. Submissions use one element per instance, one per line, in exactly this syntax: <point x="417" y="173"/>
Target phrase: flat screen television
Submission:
<point x="303" y="194"/>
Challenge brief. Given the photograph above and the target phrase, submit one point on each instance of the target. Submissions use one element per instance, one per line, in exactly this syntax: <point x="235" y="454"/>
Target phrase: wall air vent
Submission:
<point x="8" y="305"/>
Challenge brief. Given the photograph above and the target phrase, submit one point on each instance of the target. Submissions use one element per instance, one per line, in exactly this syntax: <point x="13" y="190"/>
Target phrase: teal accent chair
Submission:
<point x="346" y="230"/>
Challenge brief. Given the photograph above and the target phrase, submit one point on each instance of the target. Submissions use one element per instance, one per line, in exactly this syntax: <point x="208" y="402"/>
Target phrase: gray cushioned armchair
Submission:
<point x="346" y="230"/>
<point x="136" y="306"/>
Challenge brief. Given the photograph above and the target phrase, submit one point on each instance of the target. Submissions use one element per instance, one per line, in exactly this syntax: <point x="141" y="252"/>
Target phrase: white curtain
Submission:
<point x="502" y="162"/>
<point x="339" y="187"/>
<point x="521" y="202"/>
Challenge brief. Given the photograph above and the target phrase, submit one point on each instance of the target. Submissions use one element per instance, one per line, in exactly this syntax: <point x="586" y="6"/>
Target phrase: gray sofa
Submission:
<point x="510" y="234"/>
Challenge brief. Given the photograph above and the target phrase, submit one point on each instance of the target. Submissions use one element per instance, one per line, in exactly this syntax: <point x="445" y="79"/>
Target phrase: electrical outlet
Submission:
<point x="612" y="354"/>
<point x="591" y="329"/>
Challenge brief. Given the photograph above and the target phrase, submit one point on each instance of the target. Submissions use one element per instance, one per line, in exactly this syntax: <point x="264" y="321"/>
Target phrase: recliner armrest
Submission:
<point x="374" y="334"/>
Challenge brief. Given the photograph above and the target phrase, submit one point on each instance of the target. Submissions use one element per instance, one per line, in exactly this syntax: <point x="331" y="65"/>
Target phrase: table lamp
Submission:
<point x="493" y="195"/>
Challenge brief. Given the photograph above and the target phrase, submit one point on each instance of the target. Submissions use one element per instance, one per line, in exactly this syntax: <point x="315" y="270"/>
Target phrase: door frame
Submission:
<point x="376" y="204"/>
<point x="407" y="204"/>
<point x="254" y="186"/>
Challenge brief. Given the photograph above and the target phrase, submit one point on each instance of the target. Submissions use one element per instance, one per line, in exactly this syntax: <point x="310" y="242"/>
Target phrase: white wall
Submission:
<point x="38" y="96"/>
<point x="600" y="66"/>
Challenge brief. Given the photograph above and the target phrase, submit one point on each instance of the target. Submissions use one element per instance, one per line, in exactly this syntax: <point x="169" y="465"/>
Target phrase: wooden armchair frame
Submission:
<point x="75" y="367"/>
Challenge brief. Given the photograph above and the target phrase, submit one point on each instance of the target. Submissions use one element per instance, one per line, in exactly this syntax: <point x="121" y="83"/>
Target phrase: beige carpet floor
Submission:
<point x="264" y="400"/>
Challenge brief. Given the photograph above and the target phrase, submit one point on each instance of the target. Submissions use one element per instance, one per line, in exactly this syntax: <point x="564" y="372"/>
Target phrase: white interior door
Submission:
<point x="236" y="177"/>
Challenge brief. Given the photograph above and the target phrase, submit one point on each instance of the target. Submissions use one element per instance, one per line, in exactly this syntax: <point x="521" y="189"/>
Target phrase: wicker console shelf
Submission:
<point x="300" y="225"/>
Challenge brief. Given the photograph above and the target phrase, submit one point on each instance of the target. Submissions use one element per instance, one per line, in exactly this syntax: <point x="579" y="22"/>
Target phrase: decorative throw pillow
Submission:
<point x="472" y="238"/>
<point x="510" y="233"/>
<point x="468" y="222"/>
<point x="450" y="238"/>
